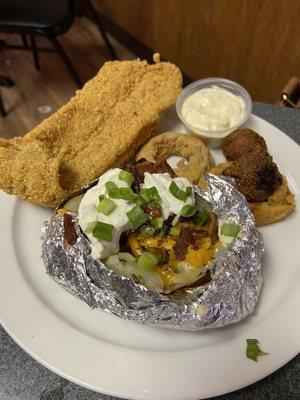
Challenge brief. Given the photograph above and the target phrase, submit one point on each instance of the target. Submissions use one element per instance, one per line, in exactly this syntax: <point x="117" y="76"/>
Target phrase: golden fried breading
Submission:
<point x="277" y="206"/>
<point x="240" y="142"/>
<point x="99" y="128"/>
<point x="255" y="174"/>
<point x="189" y="147"/>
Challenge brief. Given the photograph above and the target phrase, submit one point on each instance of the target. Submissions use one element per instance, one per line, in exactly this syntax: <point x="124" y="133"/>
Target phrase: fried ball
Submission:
<point x="241" y="142"/>
<point x="256" y="175"/>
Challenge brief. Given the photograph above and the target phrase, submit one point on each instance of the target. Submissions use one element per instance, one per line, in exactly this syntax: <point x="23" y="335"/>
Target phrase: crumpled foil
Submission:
<point x="229" y="297"/>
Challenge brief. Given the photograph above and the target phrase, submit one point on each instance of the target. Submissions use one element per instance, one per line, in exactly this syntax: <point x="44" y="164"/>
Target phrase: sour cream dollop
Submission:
<point x="89" y="214"/>
<point x="213" y="108"/>
<point x="169" y="204"/>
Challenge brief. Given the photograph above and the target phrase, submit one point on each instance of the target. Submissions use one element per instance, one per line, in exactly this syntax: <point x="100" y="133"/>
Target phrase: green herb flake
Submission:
<point x="126" y="193"/>
<point x="126" y="177"/>
<point x="253" y="351"/>
<point x="112" y="190"/>
<point x="137" y="217"/>
<point x="147" y="261"/>
<point x="188" y="210"/>
<point x="123" y="193"/>
<point x="161" y="231"/>
<point x="106" y="206"/>
<point x="139" y="201"/>
<point x="200" y="217"/>
<point x="228" y="229"/>
<point x="157" y="222"/>
<point x="103" y="231"/>
<point x="177" y="192"/>
<point x="150" y="195"/>
<point x="174" y="231"/>
<point x="189" y="190"/>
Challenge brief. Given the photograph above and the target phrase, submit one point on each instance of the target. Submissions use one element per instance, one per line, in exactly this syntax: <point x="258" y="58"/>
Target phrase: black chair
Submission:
<point x="49" y="19"/>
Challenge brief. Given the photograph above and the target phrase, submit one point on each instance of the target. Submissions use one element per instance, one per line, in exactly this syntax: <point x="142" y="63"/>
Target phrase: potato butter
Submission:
<point x="213" y="108"/>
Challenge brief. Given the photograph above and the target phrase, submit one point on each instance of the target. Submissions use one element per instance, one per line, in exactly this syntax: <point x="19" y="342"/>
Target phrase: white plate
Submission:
<point x="117" y="357"/>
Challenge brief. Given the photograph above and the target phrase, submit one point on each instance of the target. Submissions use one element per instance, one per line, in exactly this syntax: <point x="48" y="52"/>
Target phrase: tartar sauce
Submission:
<point x="213" y="108"/>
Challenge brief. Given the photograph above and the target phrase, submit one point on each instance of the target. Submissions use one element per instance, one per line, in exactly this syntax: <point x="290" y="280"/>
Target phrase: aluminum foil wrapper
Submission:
<point x="229" y="297"/>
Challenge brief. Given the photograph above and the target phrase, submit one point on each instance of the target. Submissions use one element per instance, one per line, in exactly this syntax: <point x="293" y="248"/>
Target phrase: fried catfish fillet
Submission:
<point x="99" y="128"/>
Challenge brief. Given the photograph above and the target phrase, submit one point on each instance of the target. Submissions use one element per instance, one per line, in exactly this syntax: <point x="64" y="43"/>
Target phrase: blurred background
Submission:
<point x="48" y="49"/>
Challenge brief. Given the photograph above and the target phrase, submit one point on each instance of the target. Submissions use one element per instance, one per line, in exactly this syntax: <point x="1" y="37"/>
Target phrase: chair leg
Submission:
<point x="2" y="109"/>
<point x="35" y="52"/>
<point x="24" y="40"/>
<point x="94" y="16"/>
<point x="65" y="59"/>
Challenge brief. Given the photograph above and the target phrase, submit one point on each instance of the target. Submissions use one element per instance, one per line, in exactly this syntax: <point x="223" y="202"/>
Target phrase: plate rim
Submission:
<point x="27" y="348"/>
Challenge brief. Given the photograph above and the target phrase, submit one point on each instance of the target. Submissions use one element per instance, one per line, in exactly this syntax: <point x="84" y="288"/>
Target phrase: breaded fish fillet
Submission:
<point x="99" y="128"/>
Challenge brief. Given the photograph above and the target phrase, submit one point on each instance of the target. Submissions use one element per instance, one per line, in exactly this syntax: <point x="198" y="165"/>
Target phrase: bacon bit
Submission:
<point x="153" y="211"/>
<point x="182" y="242"/>
<point x="211" y="227"/>
<point x="138" y="170"/>
<point x="69" y="230"/>
<point x="189" y="235"/>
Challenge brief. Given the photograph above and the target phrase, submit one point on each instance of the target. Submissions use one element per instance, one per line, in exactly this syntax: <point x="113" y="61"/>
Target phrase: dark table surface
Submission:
<point x="22" y="378"/>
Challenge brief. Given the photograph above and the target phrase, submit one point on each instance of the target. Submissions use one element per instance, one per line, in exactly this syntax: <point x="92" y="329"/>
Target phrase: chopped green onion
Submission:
<point x="139" y="200"/>
<point x="177" y="192"/>
<point x="188" y="210"/>
<point x="162" y="231"/>
<point x="147" y="260"/>
<point x="126" y="194"/>
<point x="137" y="217"/>
<point x="147" y="231"/>
<point x="189" y="191"/>
<point x="106" y="206"/>
<point x="103" y="231"/>
<point x="90" y="226"/>
<point x="151" y="192"/>
<point x="202" y="204"/>
<point x="150" y="195"/>
<point x="253" y="351"/>
<point x="112" y="190"/>
<point x="229" y="229"/>
<point x="200" y="217"/>
<point x="101" y="197"/>
<point x="174" y="231"/>
<point x="157" y="222"/>
<point x="126" y="176"/>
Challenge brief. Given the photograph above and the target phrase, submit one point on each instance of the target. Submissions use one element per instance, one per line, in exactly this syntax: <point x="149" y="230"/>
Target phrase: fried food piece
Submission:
<point x="99" y="128"/>
<point x="256" y="175"/>
<point x="241" y="142"/>
<point x="277" y="206"/>
<point x="176" y="144"/>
